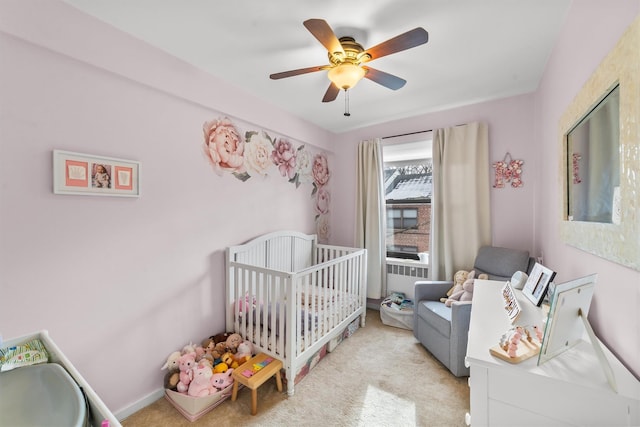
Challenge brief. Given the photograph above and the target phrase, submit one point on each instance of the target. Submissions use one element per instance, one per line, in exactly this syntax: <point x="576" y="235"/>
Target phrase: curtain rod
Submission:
<point x="414" y="133"/>
<point x="407" y="134"/>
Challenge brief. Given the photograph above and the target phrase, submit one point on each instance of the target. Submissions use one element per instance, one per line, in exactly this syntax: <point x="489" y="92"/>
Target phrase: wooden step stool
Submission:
<point x="253" y="373"/>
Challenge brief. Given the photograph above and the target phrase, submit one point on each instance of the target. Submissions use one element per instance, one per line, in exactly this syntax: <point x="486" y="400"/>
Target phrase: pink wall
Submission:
<point x="121" y="282"/>
<point x="591" y="30"/>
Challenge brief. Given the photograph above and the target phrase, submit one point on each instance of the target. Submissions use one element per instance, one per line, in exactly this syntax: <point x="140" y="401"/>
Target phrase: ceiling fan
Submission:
<point x="346" y="57"/>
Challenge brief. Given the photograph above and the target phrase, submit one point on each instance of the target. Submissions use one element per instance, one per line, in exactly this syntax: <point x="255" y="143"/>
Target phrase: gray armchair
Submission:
<point x="443" y="330"/>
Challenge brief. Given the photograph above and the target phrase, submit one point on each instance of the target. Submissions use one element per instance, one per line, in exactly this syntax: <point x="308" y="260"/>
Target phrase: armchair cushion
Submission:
<point x="437" y="314"/>
<point x="500" y="263"/>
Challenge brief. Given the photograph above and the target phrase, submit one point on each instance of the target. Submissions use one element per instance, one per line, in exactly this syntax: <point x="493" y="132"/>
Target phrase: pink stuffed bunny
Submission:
<point x="201" y="384"/>
<point x="466" y="293"/>
<point x="186" y="362"/>
<point x="222" y="380"/>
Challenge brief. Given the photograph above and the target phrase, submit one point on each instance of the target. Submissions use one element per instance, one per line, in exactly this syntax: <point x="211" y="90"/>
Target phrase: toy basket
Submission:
<point x="397" y="314"/>
<point x="195" y="407"/>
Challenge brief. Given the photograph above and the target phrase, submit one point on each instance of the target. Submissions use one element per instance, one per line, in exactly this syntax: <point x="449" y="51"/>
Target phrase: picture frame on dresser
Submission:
<point x="569" y="309"/>
<point x="537" y="283"/>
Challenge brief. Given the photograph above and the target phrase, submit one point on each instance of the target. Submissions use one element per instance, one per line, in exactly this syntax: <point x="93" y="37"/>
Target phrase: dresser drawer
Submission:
<point x="558" y="400"/>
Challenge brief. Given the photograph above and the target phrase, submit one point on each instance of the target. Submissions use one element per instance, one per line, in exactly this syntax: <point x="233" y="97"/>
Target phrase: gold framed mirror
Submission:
<point x="614" y="235"/>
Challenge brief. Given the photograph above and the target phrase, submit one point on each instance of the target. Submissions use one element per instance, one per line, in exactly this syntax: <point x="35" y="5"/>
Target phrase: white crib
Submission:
<point x="290" y="295"/>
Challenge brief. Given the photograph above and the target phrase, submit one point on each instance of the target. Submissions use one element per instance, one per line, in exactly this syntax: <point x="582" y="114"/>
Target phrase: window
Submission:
<point x="399" y="219"/>
<point x="408" y="187"/>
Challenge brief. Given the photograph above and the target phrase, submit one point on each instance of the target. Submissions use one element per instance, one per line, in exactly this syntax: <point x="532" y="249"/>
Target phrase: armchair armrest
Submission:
<point x="431" y="290"/>
<point x="460" y="319"/>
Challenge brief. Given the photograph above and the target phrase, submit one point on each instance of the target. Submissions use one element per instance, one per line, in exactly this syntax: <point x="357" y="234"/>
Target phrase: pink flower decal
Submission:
<point x="284" y="157"/>
<point x="320" y="170"/>
<point x="323" y="199"/>
<point x="322" y="228"/>
<point x="223" y="146"/>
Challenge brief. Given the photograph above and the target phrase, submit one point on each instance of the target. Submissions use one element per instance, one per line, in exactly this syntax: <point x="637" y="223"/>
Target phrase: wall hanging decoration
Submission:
<point x="86" y="174"/>
<point x="508" y="170"/>
<point x="259" y="154"/>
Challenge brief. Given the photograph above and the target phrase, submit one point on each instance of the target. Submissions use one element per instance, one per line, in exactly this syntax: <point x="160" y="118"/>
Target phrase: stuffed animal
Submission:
<point x="233" y="341"/>
<point x="208" y="345"/>
<point x="220" y="368"/>
<point x="201" y="384"/>
<point x="219" y="349"/>
<point x="202" y="354"/>
<point x="466" y="294"/>
<point x="458" y="280"/>
<point x="199" y="352"/>
<point x="171" y="380"/>
<point x="186" y="362"/>
<point x="222" y="337"/>
<point x="172" y="362"/>
<point x="206" y="362"/>
<point x="222" y="380"/>
<point x="188" y="348"/>
<point x="244" y="352"/>
<point x="229" y="360"/>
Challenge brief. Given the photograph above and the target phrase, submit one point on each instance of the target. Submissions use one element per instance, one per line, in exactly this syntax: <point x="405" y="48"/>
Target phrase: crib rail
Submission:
<point x="282" y="251"/>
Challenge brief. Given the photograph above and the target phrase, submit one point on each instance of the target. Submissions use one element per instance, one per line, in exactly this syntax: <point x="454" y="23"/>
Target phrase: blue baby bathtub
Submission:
<point x="41" y="395"/>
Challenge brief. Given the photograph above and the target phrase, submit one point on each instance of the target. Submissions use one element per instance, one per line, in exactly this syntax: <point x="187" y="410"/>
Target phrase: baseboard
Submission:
<point x="374" y="303"/>
<point x="142" y="403"/>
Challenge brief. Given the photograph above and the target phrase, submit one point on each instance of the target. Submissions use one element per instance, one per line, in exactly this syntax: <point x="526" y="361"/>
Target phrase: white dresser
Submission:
<point x="569" y="390"/>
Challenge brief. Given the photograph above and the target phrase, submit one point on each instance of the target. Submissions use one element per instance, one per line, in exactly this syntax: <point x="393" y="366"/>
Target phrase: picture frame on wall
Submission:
<point x="537" y="283"/>
<point x="90" y="175"/>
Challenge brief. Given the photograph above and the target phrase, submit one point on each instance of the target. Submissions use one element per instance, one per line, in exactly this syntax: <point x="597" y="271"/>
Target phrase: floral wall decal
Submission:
<point x="284" y="157"/>
<point x="508" y="170"/>
<point x="259" y="154"/>
<point x="224" y="147"/>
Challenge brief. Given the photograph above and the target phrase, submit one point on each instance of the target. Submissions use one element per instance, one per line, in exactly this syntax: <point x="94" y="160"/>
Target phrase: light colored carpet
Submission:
<point x="380" y="376"/>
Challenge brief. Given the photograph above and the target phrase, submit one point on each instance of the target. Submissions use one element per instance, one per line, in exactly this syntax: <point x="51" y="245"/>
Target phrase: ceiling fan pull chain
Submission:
<point x="346" y="103"/>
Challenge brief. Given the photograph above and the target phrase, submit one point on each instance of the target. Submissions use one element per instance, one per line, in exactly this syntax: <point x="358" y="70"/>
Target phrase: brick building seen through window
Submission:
<point x="408" y="190"/>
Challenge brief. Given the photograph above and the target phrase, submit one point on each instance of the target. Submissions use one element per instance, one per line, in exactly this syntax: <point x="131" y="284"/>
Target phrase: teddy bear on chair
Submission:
<point x="466" y="293"/>
<point x="458" y="280"/>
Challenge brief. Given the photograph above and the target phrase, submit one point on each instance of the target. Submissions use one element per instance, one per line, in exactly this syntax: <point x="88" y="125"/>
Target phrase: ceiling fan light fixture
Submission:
<point x="346" y="75"/>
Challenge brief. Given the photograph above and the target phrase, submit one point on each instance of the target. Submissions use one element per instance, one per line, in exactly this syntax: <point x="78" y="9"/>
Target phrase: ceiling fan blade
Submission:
<point x="404" y="41"/>
<point x="297" y="72"/>
<point x="325" y="35"/>
<point x="385" y="79"/>
<point x="331" y="94"/>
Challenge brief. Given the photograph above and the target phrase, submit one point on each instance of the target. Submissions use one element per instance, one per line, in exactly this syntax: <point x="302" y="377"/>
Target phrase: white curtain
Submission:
<point x="460" y="206"/>
<point x="370" y="215"/>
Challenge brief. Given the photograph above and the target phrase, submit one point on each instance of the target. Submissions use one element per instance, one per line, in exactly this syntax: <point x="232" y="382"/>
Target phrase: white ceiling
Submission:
<point x="477" y="50"/>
